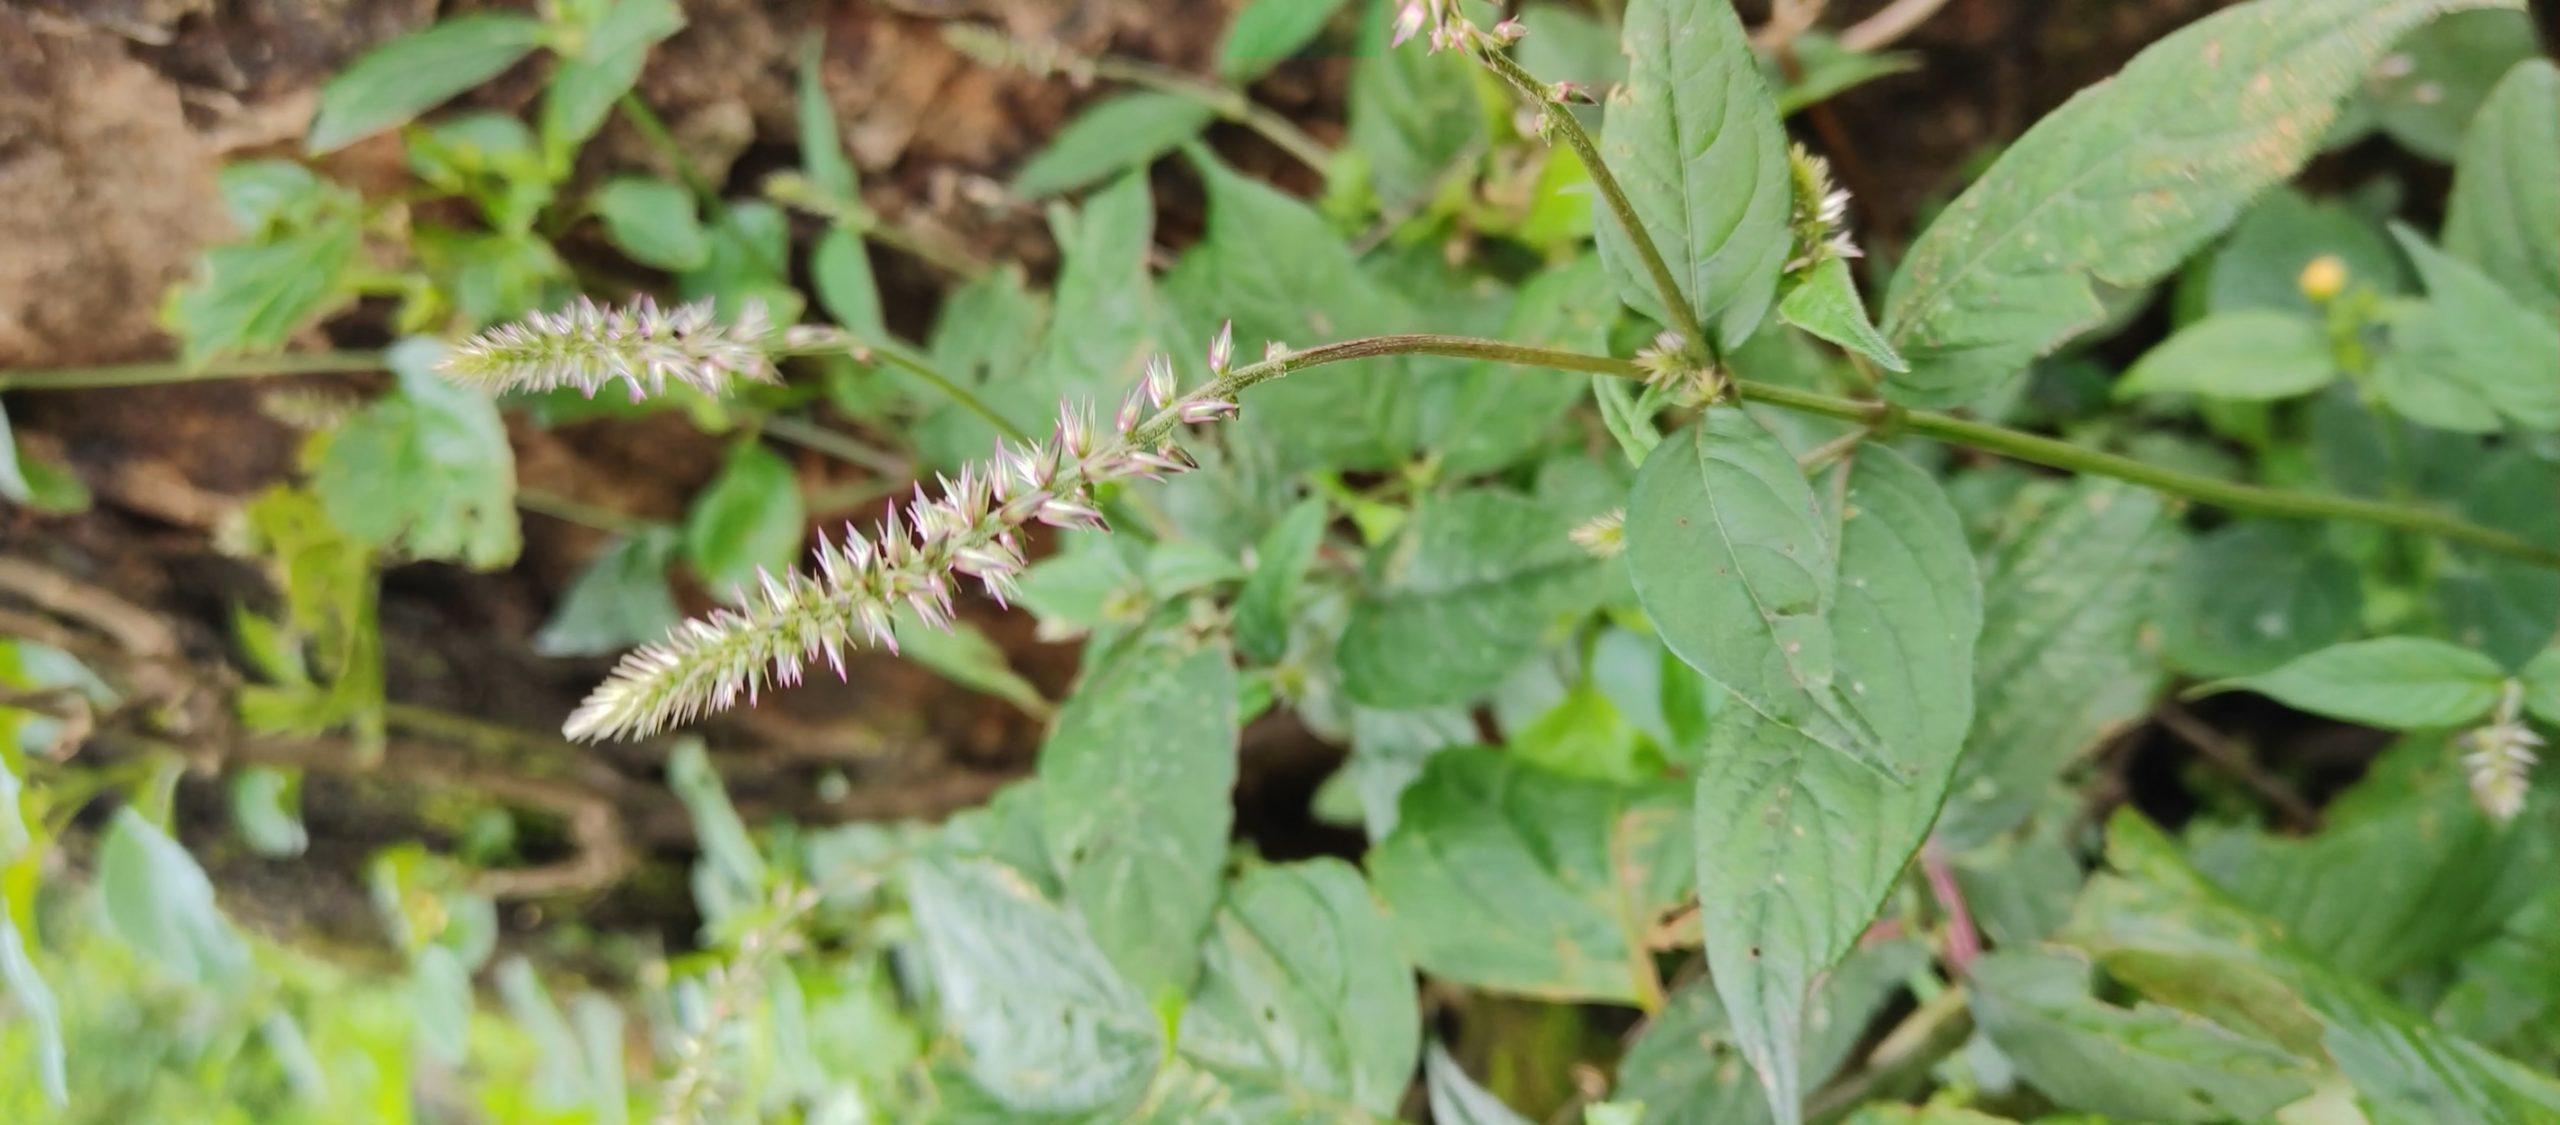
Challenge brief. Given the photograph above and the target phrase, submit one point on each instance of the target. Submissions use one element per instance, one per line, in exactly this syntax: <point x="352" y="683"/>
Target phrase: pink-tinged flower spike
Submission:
<point x="1206" y="410"/>
<point x="1510" y="31"/>
<point x="1274" y="350"/>
<point x="588" y="346"/>
<point x="1159" y="383"/>
<point x="1222" y="349"/>
<point x="911" y="561"/>
<point x="1409" y="21"/>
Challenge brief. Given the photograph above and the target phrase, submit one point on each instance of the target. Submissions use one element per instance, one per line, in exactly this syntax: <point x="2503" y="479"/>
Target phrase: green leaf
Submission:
<point x="730" y="874"/>
<point x="1465" y="594"/>
<point x="1504" y="876"/>
<point x="1120" y="133"/>
<point x="750" y="253"/>
<point x="2506" y="607"/>
<point x="2404" y="683"/>
<point x="2196" y="126"/>
<point x="2144" y="1063"/>
<point x="962" y="654"/>
<point x="988" y="329"/>
<point x="2502" y="352"/>
<point x="1732" y="558"/>
<point x="1825" y="302"/>
<point x="2504" y="214"/>
<point x="159" y="902"/>
<point x="749" y="519"/>
<point x="1281" y="273"/>
<point x="263" y="806"/>
<point x="1695" y="142"/>
<point x="426" y="471"/>
<point x="2253" y="595"/>
<point x="1302" y="992"/>
<point x="2253" y="355"/>
<point x="653" y="222"/>
<point x="620" y="600"/>
<point x="822" y="155"/>
<point x="2157" y="927"/>
<point x="1106" y="318"/>
<point x="1268" y="604"/>
<point x="2433" y="84"/>
<point x="1414" y="113"/>
<point x="2063" y="660"/>
<point x="2404" y="873"/>
<point x="2541" y="679"/>
<point x="1456" y="1099"/>
<point x="1827" y="70"/>
<point x="1048" y="1026"/>
<point x="1683" y="1064"/>
<point x="1798" y="845"/>
<point x="604" y="66"/>
<point x="840" y="270"/>
<point x="1135" y="808"/>
<point x="34" y="1004"/>
<point x="1496" y="413"/>
<point x="1267" y="32"/>
<point x="407" y="76"/>
<point x="2260" y="265"/>
<point x="255" y="297"/>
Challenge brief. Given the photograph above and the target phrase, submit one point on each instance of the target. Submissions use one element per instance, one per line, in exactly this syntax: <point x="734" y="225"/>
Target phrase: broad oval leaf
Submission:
<point x="1732" y="558"/>
<point x="620" y="600"/>
<point x="1825" y="302"/>
<point x="1797" y="844"/>
<point x="2253" y="595"/>
<point x="160" y="903"/>
<point x="749" y="520"/>
<point x="1476" y="581"/>
<point x="426" y="470"/>
<point x="1304" y="994"/>
<point x="2249" y="355"/>
<point x="408" y="76"/>
<point x="1048" y="1025"/>
<point x="653" y="221"/>
<point x="2123" y="182"/>
<point x="1267" y="32"/>
<point x="2505" y="354"/>
<point x="1694" y="139"/>
<point x="2144" y="1063"/>
<point x="1135" y="804"/>
<point x="2405" y="683"/>
<point x="1115" y="135"/>
<point x="1266" y="606"/>
<point x="2063" y="658"/>
<point x="1507" y="877"/>
<point x="602" y="68"/>
<point x="2504" y="215"/>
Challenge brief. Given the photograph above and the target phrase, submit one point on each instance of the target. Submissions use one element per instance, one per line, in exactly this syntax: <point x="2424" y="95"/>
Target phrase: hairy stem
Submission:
<point x="1227" y="102"/>
<point x="164" y="373"/>
<point x="1559" y="117"/>
<point x="810" y="435"/>
<point x="2014" y="444"/>
<point x="961" y="396"/>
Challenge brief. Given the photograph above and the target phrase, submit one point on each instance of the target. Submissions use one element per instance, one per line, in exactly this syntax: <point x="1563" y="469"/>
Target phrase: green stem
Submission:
<point x="1886" y="417"/>
<point x="558" y="507"/>
<point x="163" y="373"/>
<point x="810" y="435"/>
<point x="1225" y="101"/>
<point x="1559" y="117"/>
<point x="963" y="396"/>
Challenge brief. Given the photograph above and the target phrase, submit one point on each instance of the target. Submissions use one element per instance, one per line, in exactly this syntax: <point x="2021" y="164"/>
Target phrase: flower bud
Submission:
<point x="2323" y="278"/>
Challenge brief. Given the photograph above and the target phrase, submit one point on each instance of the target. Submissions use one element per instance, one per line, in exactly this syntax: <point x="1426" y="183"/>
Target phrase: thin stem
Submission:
<point x="163" y="373"/>
<point x="810" y="435"/>
<point x="558" y="507"/>
<point x="1964" y="943"/>
<point x="1886" y="417"/>
<point x="1226" y="101"/>
<point x="1560" y="118"/>
<point x="963" y="396"/>
<point x="1890" y="23"/>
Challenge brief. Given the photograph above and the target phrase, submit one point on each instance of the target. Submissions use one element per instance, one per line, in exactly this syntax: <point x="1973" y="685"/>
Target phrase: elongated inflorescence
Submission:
<point x="913" y="560"/>
<point x="588" y="345"/>
<point x="2501" y="758"/>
